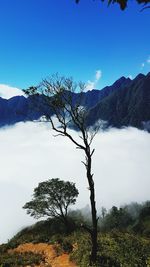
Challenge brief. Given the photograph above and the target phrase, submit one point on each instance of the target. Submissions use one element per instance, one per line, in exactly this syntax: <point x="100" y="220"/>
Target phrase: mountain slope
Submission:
<point x="90" y="98"/>
<point x="128" y="106"/>
<point x="21" y="109"/>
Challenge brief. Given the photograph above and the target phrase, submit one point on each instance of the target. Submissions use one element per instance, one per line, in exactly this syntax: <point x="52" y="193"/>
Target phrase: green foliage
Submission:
<point x="82" y="253"/>
<point x="65" y="244"/>
<point x="134" y="218"/>
<point x="78" y="218"/>
<point x="117" y="218"/>
<point x="126" y="249"/>
<point x="19" y="259"/>
<point x="52" y="198"/>
<point x="115" y="250"/>
<point x="142" y="223"/>
<point x="48" y="231"/>
<point x="116" y="246"/>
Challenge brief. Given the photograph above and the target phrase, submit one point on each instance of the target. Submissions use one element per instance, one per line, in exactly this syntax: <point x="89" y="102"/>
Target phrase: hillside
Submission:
<point x="116" y="249"/>
<point x="123" y="240"/>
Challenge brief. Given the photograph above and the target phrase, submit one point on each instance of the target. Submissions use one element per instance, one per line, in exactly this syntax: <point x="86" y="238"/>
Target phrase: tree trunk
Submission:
<point x="66" y="224"/>
<point x="93" y="256"/>
<point x="94" y="224"/>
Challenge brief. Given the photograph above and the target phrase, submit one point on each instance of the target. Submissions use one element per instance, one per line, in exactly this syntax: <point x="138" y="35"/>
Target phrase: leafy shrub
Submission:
<point x="42" y="231"/>
<point x="66" y="246"/>
<point x="115" y="249"/>
<point x="81" y="255"/>
<point x="19" y="259"/>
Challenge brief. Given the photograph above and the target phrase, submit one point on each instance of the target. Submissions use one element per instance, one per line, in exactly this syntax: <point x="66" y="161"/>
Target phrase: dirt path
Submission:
<point x="49" y="253"/>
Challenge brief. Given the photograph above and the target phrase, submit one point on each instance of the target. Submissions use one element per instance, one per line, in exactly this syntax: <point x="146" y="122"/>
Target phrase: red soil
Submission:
<point x="49" y="253"/>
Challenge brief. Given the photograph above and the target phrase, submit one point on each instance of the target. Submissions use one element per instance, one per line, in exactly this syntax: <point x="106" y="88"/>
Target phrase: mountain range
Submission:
<point x="125" y="103"/>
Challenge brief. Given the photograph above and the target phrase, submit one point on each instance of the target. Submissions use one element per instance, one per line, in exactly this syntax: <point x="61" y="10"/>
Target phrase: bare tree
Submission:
<point x="69" y="111"/>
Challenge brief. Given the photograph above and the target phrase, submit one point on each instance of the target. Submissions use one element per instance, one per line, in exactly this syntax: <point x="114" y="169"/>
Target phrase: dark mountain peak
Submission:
<point x="122" y="81"/>
<point x="139" y="77"/>
<point x="148" y="74"/>
<point x="129" y="105"/>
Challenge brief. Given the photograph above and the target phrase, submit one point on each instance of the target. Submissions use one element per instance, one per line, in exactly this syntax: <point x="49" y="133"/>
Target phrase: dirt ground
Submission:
<point x="49" y="252"/>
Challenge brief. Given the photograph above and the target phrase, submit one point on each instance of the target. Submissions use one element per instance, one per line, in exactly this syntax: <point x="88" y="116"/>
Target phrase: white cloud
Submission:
<point x="93" y="84"/>
<point x="90" y="85"/>
<point x="98" y="75"/>
<point x="7" y="91"/>
<point x="148" y="60"/>
<point x="30" y="154"/>
<point x="142" y="65"/>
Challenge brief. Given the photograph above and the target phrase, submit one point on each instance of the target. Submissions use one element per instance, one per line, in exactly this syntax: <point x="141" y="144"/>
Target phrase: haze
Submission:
<point x="31" y="154"/>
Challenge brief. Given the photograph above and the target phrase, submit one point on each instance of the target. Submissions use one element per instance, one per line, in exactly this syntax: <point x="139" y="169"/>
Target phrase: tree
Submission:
<point x="69" y="112"/>
<point x="52" y="198"/>
<point x="117" y="218"/>
<point x="123" y="3"/>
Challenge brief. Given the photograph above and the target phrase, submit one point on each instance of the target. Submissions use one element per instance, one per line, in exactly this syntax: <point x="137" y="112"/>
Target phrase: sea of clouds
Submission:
<point x="30" y="154"/>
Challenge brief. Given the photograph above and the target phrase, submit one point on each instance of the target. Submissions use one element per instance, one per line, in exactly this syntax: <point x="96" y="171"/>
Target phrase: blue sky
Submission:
<point x="42" y="37"/>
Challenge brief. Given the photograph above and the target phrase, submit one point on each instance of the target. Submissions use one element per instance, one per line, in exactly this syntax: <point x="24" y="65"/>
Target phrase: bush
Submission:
<point x="19" y="259"/>
<point x="42" y="231"/>
<point x="115" y="249"/>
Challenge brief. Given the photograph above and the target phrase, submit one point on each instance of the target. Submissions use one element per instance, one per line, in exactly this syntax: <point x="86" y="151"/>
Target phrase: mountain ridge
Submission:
<point x="129" y="106"/>
<point x="124" y="103"/>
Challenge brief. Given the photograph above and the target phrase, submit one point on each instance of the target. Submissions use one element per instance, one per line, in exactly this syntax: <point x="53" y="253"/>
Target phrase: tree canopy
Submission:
<point x="52" y="198"/>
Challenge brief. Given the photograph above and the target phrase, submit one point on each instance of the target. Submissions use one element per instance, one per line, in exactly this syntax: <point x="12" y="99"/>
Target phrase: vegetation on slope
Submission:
<point x="123" y="241"/>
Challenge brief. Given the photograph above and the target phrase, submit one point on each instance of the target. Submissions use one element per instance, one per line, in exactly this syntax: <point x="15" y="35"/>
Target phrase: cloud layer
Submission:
<point x="31" y="154"/>
<point x="7" y="91"/>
